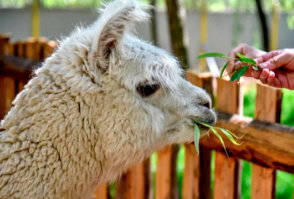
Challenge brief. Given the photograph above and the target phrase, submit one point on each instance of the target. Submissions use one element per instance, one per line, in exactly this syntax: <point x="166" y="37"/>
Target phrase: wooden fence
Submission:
<point x="268" y="145"/>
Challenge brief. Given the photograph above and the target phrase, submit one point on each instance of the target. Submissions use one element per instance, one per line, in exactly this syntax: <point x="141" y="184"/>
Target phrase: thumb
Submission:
<point x="277" y="61"/>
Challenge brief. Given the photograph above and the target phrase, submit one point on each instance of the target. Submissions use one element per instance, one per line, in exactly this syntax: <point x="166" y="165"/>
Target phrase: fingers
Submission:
<point x="264" y="75"/>
<point x="282" y="77"/>
<point x="278" y="59"/>
<point x="273" y="81"/>
<point x="255" y="74"/>
<point x="265" y="57"/>
<point x="239" y="49"/>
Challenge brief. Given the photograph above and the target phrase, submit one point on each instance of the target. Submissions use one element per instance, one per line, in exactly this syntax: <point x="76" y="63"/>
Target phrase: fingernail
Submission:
<point x="263" y="65"/>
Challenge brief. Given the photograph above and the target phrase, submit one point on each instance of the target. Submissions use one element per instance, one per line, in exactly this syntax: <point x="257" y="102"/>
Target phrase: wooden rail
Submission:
<point x="268" y="145"/>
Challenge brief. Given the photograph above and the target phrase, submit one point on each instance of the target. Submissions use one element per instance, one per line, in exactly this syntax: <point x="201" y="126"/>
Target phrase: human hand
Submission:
<point x="247" y="51"/>
<point x="277" y="68"/>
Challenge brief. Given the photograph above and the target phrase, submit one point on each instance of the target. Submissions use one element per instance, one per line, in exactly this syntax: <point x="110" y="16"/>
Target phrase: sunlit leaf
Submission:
<point x="238" y="74"/>
<point x="222" y="72"/>
<point x="229" y="136"/>
<point x="237" y="137"/>
<point x="211" y="55"/>
<point x="226" y="132"/>
<point x="220" y="139"/>
<point x="196" y="137"/>
<point x="244" y="59"/>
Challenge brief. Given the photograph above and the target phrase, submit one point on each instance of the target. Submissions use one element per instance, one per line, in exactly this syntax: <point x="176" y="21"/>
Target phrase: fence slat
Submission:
<point x="197" y="168"/>
<point x="227" y="171"/>
<point x="102" y="192"/>
<point x="7" y="94"/>
<point x="7" y="84"/>
<point x="135" y="184"/>
<point x="166" y="176"/>
<point x="267" y="108"/>
<point x="4" y="47"/>
<point x="49" y="48"/>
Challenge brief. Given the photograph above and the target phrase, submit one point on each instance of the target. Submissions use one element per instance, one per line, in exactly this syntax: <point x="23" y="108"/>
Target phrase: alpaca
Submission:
<point x="103" y="102"/>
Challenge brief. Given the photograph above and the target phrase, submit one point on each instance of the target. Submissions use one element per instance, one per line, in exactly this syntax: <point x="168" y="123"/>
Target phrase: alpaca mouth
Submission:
<point x="191" y="122"/>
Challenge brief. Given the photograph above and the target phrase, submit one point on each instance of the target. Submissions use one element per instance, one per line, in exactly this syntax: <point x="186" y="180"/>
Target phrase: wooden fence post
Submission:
<point x="7" y="84"/>
<point x="227" y="169"/>
<point x="49" y="48"/>
<point x="135" y="184"/>
<point x="196" y="182"/>
<point x="4" y="41"/>
<point x="165" y="176"/>
<point x="267" y="108"/>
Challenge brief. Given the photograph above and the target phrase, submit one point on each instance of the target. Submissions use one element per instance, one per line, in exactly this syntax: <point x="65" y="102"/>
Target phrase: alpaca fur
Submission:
<point x="81" y="121"/>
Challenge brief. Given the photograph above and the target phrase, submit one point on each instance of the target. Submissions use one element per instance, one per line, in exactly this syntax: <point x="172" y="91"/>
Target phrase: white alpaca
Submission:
<point x="103" y="102"/>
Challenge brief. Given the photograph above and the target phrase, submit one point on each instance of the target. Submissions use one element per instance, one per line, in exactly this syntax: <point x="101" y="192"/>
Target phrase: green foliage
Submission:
<point x="226" y="132"/>
<point x="237" y="74"/>
<point x="196" y="137"/>
<point x="223" y="70"/>
<point x="205" y="55"/>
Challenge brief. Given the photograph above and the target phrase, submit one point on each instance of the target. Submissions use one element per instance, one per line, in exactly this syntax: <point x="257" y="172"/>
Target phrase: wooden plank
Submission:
<point x="40" y="48"/>
<point x="7" y="88"/>
<point x="191" y="181"/>
<point x="20" y="49"/>
<point x="263" y="182"/>
<point x="31" y="49"/>
<point x="49" y="48"/>
<point x="197" y="167"/>
<point x="227" y="169"/>
<point x="12" y="47"/>
<point x="164" y="182"/>
<point x="264" y="143"/>
<point x="267" y="108"/>
<point x="135" y="184"/>
<point x="102" y="192"/>
<point x="4" y="40"/>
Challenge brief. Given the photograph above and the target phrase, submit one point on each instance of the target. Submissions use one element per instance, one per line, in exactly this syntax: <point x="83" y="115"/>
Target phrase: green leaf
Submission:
<point x="229" y="136"/>
<point x="237" y="75"/>
<point x="240" y="55"/>
<point x="244" y="59"/>
<point x="196" y="137"/>
<point x="220" y="139"/>
<point x="230" y="133"/>
<point x="225" y="66"/>
<point x="211" y="55"/>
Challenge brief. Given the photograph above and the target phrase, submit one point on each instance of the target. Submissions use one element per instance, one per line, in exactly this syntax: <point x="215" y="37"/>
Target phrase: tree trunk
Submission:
<point x="176" y="16"/>
<point x="153" y="22"/>
<point x="263" y="23"/>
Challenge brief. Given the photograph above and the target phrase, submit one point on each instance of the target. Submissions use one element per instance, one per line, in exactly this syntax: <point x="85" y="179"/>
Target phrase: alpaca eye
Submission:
<point x="147" y="90"/>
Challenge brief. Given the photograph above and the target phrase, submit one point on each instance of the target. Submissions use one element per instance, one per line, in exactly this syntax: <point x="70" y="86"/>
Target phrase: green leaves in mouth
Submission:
<point x="231" y="136"/>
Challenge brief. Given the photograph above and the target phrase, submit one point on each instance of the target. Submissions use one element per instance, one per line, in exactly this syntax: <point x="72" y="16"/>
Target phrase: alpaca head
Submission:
<point x="143" y="96"/>
<point x="145" y="79"/>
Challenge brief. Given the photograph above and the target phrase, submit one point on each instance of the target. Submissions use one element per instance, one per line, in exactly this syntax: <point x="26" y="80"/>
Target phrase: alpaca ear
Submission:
<point x="117" y="17"/>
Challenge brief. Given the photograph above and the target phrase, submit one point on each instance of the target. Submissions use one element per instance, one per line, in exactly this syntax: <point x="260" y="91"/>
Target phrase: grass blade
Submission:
<point x="196" y="137"/>
<point x="229" y="136"/>
<point x="222" y="72"/>
<point x="239" y="138"/>
<point x="211" y="55"/>
<point x="220" y="139"/>
<point x="237" y="75"/>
